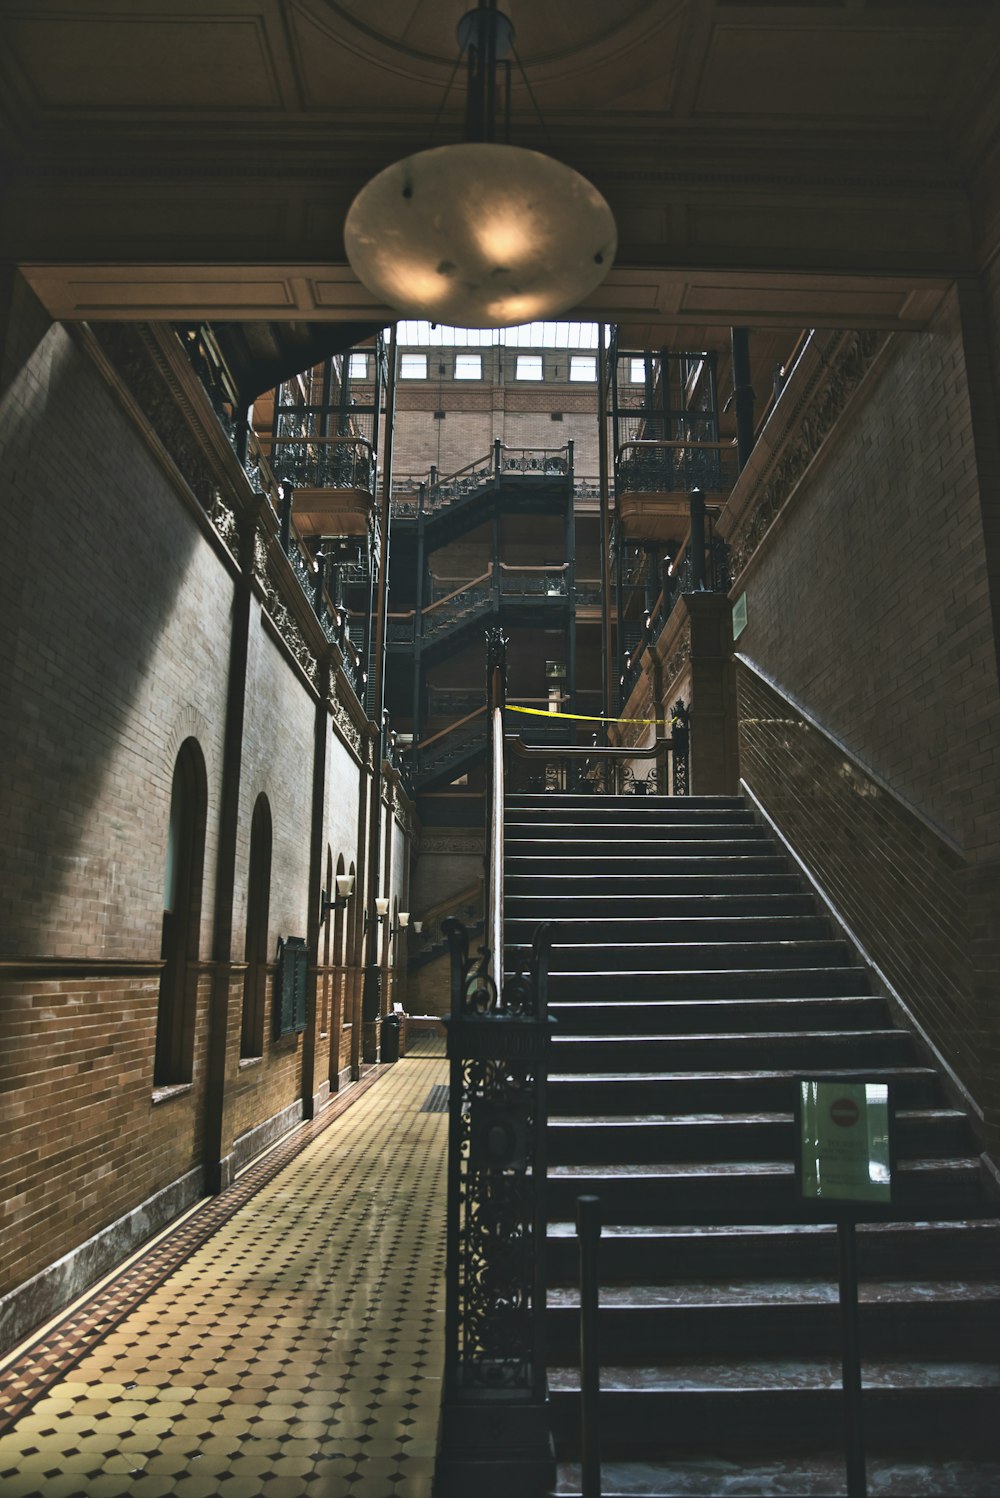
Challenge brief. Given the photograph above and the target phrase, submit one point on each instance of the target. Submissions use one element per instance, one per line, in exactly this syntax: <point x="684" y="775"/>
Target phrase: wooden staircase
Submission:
<point x="692" y="979"/>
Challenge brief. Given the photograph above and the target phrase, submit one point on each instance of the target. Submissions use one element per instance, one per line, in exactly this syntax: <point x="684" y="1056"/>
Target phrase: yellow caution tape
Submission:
<point x="541" y="712"/>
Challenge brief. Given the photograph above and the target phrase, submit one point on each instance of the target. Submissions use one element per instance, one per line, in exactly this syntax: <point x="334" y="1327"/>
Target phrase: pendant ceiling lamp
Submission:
<point x="480" y="234"/>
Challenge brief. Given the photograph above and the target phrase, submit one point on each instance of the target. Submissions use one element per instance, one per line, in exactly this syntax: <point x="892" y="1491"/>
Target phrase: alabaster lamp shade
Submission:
<point x="480" y="235"/>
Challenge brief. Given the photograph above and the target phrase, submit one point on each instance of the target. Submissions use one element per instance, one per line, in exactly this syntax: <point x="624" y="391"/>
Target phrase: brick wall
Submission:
<point x="870" y="609"/>
<point x="116" y="612"/>
<point x="869" y="599"/>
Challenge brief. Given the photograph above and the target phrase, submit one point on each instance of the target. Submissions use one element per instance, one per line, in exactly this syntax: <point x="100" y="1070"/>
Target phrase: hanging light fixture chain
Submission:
<point x="531" y="96"/>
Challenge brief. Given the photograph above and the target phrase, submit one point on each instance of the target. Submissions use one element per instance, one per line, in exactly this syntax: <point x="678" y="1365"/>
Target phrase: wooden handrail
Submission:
<point x="682" y="443"/>
<point x="556" y="567"/>
<point x="478" y="713"/>
<point x="482" y="578"/>
<point x="453" y="902"/>
<point x="585" y="751"/>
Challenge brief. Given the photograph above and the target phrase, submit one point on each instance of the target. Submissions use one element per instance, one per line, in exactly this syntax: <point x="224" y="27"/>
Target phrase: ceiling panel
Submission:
<point x="148" y="62"/>
<point x="836" y="72"/>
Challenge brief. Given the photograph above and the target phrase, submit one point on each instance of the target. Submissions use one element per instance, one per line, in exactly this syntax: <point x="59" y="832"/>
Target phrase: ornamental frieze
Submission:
<point x="815" y="416"/>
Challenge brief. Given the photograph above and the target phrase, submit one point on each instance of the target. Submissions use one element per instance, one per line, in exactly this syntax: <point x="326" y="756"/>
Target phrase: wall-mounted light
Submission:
<point x="382" y="909"/>
<point x="345" y="889"/>
<point x="418" y="926"/>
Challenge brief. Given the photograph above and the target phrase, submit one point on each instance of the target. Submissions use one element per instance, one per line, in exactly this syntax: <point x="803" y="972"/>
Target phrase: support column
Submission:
<point x="742" y="394"/>
<point x="313" y="1099"/>
<point x="227" y="980"/>
<point x="715" y="764"/>
<point x="570" y="555"/>
<point x="371" y="997"/>
<point x="608" y="676"/>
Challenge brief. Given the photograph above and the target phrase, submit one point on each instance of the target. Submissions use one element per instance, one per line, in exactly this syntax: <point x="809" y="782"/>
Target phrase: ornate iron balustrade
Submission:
<point x="494" y="1411"/>
<point x="539" y="462"/>
<point x="529" y="583"/>
<point x="325" y="463"/>
<point x="604" y="771"/>
<point x="675" y="467"/>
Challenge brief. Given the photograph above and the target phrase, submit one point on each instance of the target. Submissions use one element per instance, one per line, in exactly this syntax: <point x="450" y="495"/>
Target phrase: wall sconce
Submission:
<point x="418" y="926"/>
<point x="402" y="921"/>
<point x="381" y="912"/>
<point x="345" y="889"/>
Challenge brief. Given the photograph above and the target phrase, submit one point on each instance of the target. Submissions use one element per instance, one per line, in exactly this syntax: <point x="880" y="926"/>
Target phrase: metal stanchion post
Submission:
<point x="588" y="1227"/>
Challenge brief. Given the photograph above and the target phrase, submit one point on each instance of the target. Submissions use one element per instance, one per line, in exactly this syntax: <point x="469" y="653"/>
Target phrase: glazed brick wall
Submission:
<point x="870" y="600"/>
<point x="899" y="886"/>
<point x="278" y="733"/>
<point x="115" y="628"/>
<point x="115" y="635"/>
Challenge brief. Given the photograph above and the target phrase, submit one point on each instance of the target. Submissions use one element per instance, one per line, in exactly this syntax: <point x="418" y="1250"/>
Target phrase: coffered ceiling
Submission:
<point x="823" y="159"/>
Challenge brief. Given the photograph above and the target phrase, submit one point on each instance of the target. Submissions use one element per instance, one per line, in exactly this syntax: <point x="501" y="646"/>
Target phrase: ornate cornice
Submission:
<point x="825" y="395"/>
<point x="278" y="611"/>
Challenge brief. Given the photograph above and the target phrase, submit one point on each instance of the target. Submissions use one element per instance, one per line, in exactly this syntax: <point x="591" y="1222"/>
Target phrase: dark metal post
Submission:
<point x="696" y="545"/>
<point x="418" y="623"/>
<point x="319" y="581"/>
<point x="742" y="394"/>
<point x="371" y="997"/>
<point x="285" y="518"/>
<point x="497" y="458"/>
<point x="588" y="1229"/>
<point x="851" y="1358"/>
<point x="570" y="583"/>
<point x="607" y="644"/>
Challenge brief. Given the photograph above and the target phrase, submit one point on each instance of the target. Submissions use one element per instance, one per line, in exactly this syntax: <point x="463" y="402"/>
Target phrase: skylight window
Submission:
<point x="468" y="366"/>
<point x="413" y="366"/>
<point x="583" y="367"/>
<point x="529" y="367"/>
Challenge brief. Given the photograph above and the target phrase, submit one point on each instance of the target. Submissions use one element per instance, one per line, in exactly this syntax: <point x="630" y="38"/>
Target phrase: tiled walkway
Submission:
<point x="284" y="1340"/>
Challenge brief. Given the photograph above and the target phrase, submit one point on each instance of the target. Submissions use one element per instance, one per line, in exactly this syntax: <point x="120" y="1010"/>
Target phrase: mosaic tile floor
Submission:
<point x="285" y="1340"/>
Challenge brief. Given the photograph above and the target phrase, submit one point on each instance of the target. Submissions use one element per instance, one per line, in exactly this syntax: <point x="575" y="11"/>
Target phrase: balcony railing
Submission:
<point x="482" y="473"/>
<point x="325" y="462"/>
<point x="671" y="467"/>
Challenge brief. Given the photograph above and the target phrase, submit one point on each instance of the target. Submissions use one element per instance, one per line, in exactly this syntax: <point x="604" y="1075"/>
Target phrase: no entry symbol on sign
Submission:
<point x="844" y="1111"/>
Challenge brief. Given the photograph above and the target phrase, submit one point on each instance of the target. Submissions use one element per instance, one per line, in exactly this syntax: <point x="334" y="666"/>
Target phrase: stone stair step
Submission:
<point x="628" y="830"/>
<point x="695" y="1016"/>
<point x="718" y="983"/>
<point x="623" y="933"/>
<point x="947" y="1474"/>
<point x="793" y="1049"/>
<point x="568" y="804"/>
<point x="716" y="1091"/>
<point x="750" y="1402"/>
<point x="593" y="857"/>
<point x="966" y="1250"/>
<point x="722" y="1136"/>
<point x="701" y="955"/>
<point x="576" y="909"/>
<point x="771" y="879"/>
<point x="748" y="1190"/>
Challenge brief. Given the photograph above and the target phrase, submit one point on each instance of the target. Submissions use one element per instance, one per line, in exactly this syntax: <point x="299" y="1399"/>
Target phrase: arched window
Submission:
<point x="181" y="919"/>
<point x="257" y="948"/>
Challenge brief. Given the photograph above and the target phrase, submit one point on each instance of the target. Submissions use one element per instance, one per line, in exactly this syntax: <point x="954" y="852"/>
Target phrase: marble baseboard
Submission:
<point x="47" y="1292"/>
<point x="262" y="1135"/>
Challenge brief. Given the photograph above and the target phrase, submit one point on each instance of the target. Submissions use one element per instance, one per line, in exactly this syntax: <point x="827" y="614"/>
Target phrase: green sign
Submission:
<point x="844" y="1147"/>
<point x="739" y="616"/>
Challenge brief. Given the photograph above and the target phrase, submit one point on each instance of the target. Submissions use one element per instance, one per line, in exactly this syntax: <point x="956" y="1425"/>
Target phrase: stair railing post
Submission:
<point x="588" y="1230"/>
<point x="496" y="1436"/>
<point x="857" y="1486"/>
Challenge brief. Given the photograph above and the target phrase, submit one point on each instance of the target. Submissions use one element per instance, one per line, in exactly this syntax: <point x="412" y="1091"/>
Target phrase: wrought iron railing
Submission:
<point x="498" y="1038"/>
<point x="493" y="468"/>
<point x="343" y="462"/>
<point x="604" y="771"/>
<point x="674" y="466"/>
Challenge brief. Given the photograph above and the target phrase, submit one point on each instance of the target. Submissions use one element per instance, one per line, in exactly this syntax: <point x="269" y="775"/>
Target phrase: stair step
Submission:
<point x="795" y="1403"/>
<point x="716" y="1091"/>
<point x="773" y="879"/>
<point x="776" y="1474"/>
<point x="533" y="831"/>
<point x="624" y="932"/>
<point x="568" y="803"/>
<point x="960" y="1249"/>
<point x="794" y="1049"/>
<point x="716" y="983"/>
<point x="747" y="1190"/>
<point x="520" y="851"/>
<point x="694" y="1016"/>
<point x="729" y="1136"/>
<point x="578" y="908"/>
<point x="789" y="1319"/>
<point x="702" y="955"/>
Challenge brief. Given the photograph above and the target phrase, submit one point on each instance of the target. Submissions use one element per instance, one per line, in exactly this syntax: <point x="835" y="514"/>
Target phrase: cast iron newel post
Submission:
<point x="496" y="1435"/>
